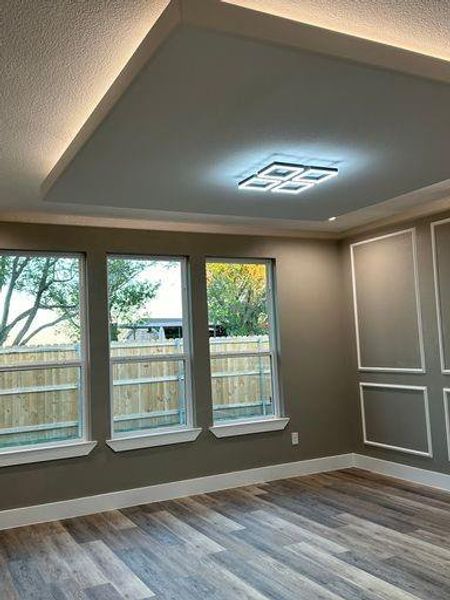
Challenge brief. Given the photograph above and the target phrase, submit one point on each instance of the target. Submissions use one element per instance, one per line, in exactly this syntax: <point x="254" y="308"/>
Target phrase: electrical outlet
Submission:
<point x="294" y="438"/>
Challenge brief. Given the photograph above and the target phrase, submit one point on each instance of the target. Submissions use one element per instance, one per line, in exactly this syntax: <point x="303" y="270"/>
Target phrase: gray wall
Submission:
<point x="384" y="278"/>
<point x="316" y="373"/>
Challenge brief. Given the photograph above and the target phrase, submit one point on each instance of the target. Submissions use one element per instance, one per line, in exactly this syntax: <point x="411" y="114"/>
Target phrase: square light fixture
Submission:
<point x="281" y="171"/>
<point x="287" y="178"/>
<point x="292" y="187"/>
<point x="316" y="174"/>
<point x="258" y="184"/>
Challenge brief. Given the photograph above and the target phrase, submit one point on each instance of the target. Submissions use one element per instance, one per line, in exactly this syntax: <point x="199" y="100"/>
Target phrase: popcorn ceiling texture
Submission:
<point x="418" y="25"/>
<point x="59" y="57"/>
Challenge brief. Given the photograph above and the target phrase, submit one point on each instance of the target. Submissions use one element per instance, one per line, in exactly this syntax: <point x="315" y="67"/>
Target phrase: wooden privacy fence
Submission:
<point x="44" y="404"/>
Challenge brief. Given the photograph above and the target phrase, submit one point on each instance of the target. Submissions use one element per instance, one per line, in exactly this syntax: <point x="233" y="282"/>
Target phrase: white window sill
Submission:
<point x="155" y="438"/>
<point x="20" y="455"/>
<point x="245" y="427"/>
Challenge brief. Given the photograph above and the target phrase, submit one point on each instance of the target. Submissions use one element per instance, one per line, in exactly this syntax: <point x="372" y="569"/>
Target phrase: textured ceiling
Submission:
<point x="418" y="25"/>
<point x="58" y="58"/>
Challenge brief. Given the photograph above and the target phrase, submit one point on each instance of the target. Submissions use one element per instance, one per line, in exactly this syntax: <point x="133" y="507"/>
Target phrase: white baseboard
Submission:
<point x="77" y="507"/>
<point x="393" y="469"/>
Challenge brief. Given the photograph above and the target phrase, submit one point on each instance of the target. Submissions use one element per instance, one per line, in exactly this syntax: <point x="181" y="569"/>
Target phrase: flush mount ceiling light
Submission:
<point x="317" y="174"/>
<point x="292" y="187"/>
<point x="287" y="178"/>
<point x="258" y="184"/>
<point x="281" y="171"/>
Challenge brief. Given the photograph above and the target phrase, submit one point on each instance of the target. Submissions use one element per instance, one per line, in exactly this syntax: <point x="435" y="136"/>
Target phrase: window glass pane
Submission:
<point x="39" y="309"/>
<point x="241" y="387"/>
<point x="40" y="321"/>
<point x="237" y="306"/>
<point x="239" y="322"/>
<point x="147" y="323"/>
<point x="148" y="394"/>
<point x="40" y="405"/>
<point x="145" y="306"/>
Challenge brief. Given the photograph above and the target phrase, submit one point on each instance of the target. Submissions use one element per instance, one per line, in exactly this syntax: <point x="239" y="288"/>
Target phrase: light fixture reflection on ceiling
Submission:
<point x="332" y="218"/>
<point x="287" y="178"/>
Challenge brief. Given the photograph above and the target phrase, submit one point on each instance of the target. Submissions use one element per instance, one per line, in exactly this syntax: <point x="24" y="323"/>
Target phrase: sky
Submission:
<point x="167" y="303"/>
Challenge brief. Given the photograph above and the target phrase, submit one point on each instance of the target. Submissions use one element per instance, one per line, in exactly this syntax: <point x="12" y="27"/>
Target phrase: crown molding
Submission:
<point x="219" y="228"/>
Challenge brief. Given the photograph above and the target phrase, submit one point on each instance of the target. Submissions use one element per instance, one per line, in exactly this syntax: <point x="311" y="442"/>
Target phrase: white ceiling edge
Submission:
<point x="421" y="203"/>
<point x="266" y="28"/>
<point x="418" y="212"/>
<point x="188" y="226"/>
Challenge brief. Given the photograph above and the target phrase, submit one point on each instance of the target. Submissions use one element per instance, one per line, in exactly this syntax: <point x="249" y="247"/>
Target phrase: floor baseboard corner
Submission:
<point x="425" y="477"/>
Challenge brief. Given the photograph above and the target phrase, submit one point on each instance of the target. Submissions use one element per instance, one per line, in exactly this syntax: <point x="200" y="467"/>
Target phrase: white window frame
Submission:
<point x="277" y="421"/>
<point x="46" y="451"/>
<point x="159" y="436"/>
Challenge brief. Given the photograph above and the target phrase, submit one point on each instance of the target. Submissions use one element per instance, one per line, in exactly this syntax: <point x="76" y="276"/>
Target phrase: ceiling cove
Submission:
<point x="215" y="91"/>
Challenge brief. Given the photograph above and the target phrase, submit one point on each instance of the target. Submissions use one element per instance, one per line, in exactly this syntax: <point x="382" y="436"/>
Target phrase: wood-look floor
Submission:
<point x="344" y="535"/>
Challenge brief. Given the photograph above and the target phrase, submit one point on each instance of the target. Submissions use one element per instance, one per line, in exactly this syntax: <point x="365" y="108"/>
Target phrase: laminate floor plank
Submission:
<point x="346" y="535"/>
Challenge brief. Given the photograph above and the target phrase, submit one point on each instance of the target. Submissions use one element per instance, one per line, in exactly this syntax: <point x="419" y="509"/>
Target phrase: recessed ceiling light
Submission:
<point x="332" y="219"/>
<point x="287" y="178"/>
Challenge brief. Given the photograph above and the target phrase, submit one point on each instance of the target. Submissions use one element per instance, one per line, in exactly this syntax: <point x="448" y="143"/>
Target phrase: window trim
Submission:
<point x="278" y="420"/>
<point x="159" y="436"/>
<point x="83" y="445"/>
<point x="245" y="427"/>
<point x="19" y="455"/>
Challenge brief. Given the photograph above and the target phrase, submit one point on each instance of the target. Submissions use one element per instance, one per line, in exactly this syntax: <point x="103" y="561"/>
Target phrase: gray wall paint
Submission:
<point x="433" y="378"/>
<point x="388" y="323"/>
<point x="316" y="373"/>
<point x="319" y="376"/>
<point x="396" y="417"/>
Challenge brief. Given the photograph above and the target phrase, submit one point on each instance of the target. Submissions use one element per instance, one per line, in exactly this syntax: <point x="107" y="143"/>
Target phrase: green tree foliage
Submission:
<point x="237" y="298"/>
<point x="53" y="284"/>
<point x="127" y="293"/>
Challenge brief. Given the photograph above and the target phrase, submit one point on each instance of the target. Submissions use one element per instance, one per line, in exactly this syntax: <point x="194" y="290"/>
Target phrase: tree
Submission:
<point x="52" y="284"/>
<point x="127" y="294"/>
<point x="237" y="298"/>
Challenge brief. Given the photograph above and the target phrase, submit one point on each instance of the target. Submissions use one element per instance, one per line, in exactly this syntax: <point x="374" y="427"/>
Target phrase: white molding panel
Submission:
<point x="432" y="479"/>
<point x="78" y="507"/>
<point x="437" y="294"/>
<point x="155" y="438"/>
<point x="429" y="452"/>
<point x="245" y="427"/>
<point x="447" y="417"/>
<point x="40" y="453"/>
<point x="361" y="367"/>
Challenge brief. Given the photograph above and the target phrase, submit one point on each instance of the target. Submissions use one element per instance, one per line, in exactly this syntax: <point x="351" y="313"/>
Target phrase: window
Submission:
<point x="243" y="348"/>
<point x="42" y="351"/>
<point x="149" y="350"/>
